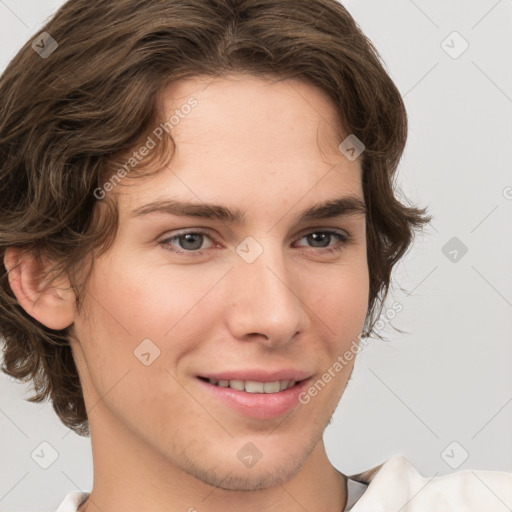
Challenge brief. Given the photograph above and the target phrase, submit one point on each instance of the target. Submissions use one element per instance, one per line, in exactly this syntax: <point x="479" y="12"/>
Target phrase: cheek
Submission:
<point x="148" y="301"/>
<point x="340" y="313"/>
<point x="124" y="310"/>
<point x="339" y="298"/>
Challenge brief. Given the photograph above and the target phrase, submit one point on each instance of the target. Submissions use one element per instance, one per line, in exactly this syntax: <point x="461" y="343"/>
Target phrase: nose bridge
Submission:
<point x="265" y="301"/>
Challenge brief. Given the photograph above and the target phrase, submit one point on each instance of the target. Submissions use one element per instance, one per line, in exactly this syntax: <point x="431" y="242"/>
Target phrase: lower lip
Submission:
<point x="262" y="406"/>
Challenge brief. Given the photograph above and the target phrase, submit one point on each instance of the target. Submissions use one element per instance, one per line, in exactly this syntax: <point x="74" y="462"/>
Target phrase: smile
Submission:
<point x="257" y="399"/>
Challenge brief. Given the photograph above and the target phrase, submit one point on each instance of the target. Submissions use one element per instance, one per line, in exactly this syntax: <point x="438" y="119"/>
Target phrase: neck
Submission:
<point x="131" y="476"/>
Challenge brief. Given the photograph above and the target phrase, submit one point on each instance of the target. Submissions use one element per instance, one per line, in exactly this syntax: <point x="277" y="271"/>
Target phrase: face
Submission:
<point x="183" y="304"/>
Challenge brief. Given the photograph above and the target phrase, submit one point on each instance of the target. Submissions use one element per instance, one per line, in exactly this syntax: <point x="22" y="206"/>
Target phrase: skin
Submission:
<point x="160" y="442"/>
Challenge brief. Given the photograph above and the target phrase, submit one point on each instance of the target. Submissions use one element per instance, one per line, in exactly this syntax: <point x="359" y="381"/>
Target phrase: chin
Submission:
<point x="252" y="479"/>
<point x="234" y="476"/>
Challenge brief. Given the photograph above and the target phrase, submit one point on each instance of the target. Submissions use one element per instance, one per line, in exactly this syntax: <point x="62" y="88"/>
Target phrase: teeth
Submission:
<point x="251" y="386"/>
<point x="237" y="384"/>
<point x="254" y="387"/>
<point x="272" y="387"/>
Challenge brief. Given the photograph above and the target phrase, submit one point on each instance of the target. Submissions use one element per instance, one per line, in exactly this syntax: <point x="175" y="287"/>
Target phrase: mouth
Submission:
<point x="273" y="396"/>
<point x="252" y="386"/>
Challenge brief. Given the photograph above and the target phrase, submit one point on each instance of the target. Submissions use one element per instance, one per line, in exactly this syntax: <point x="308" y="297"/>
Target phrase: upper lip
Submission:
<point x="259" y="375"/>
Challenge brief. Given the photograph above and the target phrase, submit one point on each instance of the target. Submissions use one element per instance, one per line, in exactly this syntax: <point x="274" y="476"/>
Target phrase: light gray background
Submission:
<point x="449" y="378"/>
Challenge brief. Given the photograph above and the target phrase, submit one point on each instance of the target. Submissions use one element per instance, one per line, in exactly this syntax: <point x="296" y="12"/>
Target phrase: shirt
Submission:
<point x="396" y="486"/>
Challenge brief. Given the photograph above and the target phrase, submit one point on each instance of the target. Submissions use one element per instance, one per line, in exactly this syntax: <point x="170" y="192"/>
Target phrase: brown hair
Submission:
<point x="68" y="120"/>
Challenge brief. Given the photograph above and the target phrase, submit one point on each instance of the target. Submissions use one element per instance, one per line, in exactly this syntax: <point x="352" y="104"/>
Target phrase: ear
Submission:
<point x="51" y="302"/>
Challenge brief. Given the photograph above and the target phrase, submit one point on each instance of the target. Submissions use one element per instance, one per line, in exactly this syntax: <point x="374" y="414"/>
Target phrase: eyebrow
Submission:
<point x="337" y="207"/>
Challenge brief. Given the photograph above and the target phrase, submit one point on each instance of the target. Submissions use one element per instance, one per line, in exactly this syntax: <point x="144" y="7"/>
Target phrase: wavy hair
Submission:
<point x="68" y="120"/>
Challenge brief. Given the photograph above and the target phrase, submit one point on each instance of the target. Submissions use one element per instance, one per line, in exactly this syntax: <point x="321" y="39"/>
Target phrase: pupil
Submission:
<point x="317" y="236"/>
<point x="189" y="238"/>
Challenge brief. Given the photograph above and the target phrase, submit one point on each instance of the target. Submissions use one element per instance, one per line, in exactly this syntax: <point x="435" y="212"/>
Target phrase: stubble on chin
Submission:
<point x="252" y="479"/>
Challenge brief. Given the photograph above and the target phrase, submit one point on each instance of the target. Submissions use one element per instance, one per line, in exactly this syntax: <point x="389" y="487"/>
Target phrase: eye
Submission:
<point x="324" y="237"/>
<point x="191" y="243"/>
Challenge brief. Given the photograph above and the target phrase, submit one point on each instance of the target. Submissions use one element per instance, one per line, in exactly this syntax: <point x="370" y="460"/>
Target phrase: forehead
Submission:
<point x="253" y="111"/>
<point x="252" y="141"/>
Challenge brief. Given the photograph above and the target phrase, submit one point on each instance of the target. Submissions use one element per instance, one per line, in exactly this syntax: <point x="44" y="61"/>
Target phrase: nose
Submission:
<point x="264" y="300"/>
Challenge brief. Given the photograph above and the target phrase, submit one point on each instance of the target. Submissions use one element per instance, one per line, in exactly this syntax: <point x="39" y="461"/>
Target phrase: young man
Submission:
<point x="198" y="223"/>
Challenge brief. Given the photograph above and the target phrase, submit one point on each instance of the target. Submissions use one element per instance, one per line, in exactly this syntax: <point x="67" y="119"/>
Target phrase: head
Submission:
<point x="108" y="306"/>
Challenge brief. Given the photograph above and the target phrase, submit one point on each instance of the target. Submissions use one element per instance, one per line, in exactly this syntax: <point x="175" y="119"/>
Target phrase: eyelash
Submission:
<point x="344" y="238"/>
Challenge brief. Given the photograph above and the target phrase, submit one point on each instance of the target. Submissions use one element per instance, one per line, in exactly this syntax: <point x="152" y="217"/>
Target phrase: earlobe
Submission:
<point x="51" y="302"/>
